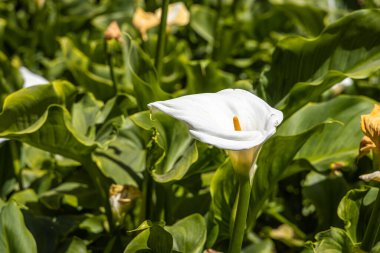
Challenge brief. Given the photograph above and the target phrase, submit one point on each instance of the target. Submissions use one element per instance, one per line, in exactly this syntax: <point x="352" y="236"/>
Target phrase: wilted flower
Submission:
<point x="370" y="125"/>
<point x="113" y="31"/>
<point x="178" y="15"/>
<point x="144" y="21"/>
<point x="121" y="198"/>
<point x="366" y="145"/>
<point x="374" y="176"/>
<point x="231" y="119"/>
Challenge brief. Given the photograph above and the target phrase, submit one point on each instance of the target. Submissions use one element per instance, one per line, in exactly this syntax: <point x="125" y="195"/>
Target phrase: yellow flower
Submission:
<point x="370" y="125"/>
<point x="144" y="21"/>
<point x="178" y="15"/>
<point x="121" y="198"/>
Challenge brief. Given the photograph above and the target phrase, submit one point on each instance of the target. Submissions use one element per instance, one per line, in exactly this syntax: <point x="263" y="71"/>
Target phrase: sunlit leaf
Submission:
<point x="349" y="211"/>
<point x="35" y="116"/>
<point x="14" y="235"/>
<point x="337" y="146"/>
<point x="304" y="68"/>
<point x="272" y="164"/>
<point x="179" y="149"/>
<point x="189" y="234"/>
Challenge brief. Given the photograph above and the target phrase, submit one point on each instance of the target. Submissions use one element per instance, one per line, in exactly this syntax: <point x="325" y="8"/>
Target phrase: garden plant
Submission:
<point x="189" y="126"/>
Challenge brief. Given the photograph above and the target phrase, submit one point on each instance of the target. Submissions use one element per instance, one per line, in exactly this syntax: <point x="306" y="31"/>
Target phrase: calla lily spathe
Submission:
<point x="31" y="79"/>
<point x="210" y="117"/>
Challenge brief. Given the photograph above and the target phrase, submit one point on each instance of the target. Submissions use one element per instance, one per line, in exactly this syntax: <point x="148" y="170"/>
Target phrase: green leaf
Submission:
<point x="143" y="76"/>
<point x="35" y="116"/>
<point x="14" y="235"/>
<point x="349" y="211"/>
<point x="334" y="240"/>
<point x="178" y="149"/>
<point x="306" y="16"/>
<point x="272" y="164"/>
<point x="139" y="243"/>
<point x="304" y="68"/>
<point x="79" y="64"/>
<point x="223" y="191"/>
<point x="204" y="76"/>
<point x="160" y="240"/>
<point x="75" y="245"/>
<point x="186" y="235"/>
<point x="316" y="188"/>
<point x="338" y="142"/>
<point x="189" y="234"/>
<point x="203" y="21"/>
<point x="264" y="246"/>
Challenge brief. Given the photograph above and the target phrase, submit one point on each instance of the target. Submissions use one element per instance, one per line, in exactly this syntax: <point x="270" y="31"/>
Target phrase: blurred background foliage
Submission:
<point x="85" y="168"/>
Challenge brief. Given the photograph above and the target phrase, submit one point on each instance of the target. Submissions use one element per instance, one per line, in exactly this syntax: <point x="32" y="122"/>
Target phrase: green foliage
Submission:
<point x="15" y="236"/>
<point x="329" y="148"/>
<point x="348" y="48"/>
<point x="72" y="139"/>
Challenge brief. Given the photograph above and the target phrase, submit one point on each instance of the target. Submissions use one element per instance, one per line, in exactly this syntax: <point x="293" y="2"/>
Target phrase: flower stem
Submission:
<point x="241" y="214"/>
<point x="217" y="30"/>
<point x="372" y="227"/>
<point x="146" y="209"/>
<point x="110" y="65"/>
<point x="161" y="39"/>
<point x="16" y="163"/>
<point x="97" y="178"/>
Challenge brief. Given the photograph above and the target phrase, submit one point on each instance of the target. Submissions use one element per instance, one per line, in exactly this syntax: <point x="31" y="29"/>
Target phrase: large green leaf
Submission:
<point x="272" y="164"/>
<point x="334" y="240"/>
<point x="186" y="235"/>
<point x="160" y="240"/>
<point x="349" y="211"/>
<point x="303" y="68"/>
<point x="143" y="76"/>
<point x="315" y="189"/>
<point x="203" y="22"/>
<point x="36" y="115"/>
<point x="339" y="142"/>
<point x="306" y="16"/>
<point x="223" y="191"/>
<point x="205" y="77"/>
<point x="189" y="234"/>
<point x="80" y="65"/>
<point x="14" y="235"/>
<point x="178" y="149"/>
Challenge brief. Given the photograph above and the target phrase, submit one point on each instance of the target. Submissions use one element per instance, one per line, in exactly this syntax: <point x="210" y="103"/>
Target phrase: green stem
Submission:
<point x="217" y="30"/>
<point x="372" y="227"/>
<point x="235" y="8"/>
<point x="146" y="210"/>
<point x="161" y="39"/>
<point x="110" y="65"/>
<point x="16" y="163"/>
<point x="96" y="176"/>
<point x="241" y="214"/>
<point x="169" y="202"/>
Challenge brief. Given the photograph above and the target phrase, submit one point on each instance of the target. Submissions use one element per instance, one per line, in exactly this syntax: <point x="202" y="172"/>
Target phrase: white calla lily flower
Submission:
<point x="31" y="79"/>
<point x="231" y="119"/>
